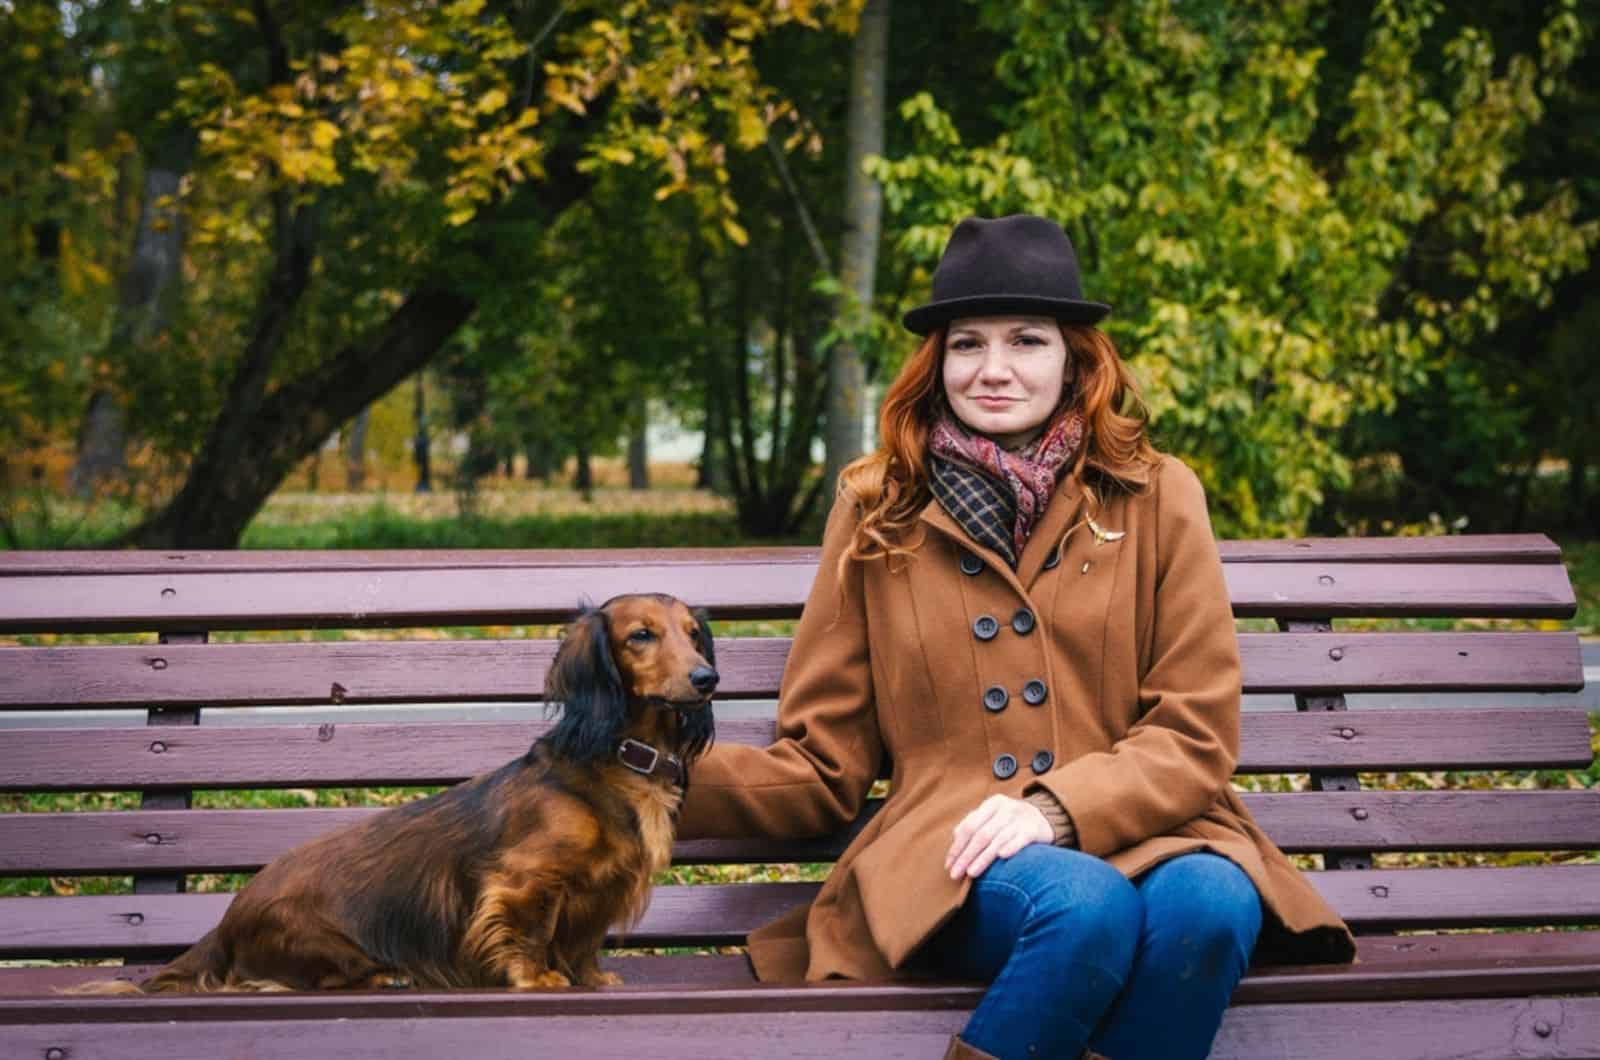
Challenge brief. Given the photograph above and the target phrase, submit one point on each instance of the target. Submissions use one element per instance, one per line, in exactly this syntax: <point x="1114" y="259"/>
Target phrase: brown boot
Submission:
<point x="960" y="1050"/>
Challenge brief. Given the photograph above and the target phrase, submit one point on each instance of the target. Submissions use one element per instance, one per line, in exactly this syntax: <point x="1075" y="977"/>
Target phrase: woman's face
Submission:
<point x="1004" y="376"/>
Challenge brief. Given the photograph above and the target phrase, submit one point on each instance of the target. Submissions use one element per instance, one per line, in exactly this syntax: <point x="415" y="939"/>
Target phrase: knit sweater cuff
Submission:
<point x="1055" y="814"/>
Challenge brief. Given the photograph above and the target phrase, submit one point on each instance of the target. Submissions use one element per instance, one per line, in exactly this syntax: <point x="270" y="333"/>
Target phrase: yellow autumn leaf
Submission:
<point x="735" y="232"/>
<point x="461" y="216"/>
<point x="752" y="130"/>
<point x="323" y="134"/>
<point x="491" y="101"/>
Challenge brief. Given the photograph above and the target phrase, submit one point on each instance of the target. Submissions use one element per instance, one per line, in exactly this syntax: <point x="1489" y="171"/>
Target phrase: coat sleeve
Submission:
<point x="1177" y="758"/>
<point x="814" y="778"/>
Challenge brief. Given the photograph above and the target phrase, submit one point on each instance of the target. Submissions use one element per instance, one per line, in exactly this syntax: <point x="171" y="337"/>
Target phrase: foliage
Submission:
<point x="1261" y="290"/>
<point x="346" y="157"/>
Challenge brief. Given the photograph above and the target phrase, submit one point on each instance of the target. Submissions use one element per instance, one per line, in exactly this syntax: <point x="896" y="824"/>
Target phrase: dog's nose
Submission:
<point x="704" y="679"/>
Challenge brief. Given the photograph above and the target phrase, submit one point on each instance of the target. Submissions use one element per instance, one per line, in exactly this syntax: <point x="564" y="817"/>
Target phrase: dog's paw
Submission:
<point x="599" y="978"/>
<point x="542" y="980"/>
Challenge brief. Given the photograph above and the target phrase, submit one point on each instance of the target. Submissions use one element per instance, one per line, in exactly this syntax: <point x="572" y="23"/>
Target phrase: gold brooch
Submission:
<point x="1101" y="536"/>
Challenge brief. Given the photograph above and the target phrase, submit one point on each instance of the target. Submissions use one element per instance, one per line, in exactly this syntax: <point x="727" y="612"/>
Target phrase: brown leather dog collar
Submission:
<point x="652" y="762"/>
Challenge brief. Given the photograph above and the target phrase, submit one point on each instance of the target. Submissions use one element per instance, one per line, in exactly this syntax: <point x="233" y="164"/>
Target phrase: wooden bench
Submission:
<point x="1418" y="990"/>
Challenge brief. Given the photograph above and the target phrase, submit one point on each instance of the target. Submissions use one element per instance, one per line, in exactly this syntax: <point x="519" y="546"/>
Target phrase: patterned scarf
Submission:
<point x="996" y="494"/>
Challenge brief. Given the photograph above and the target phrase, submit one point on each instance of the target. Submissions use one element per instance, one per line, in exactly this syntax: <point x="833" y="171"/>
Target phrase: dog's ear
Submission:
<point x="697" y="728"/>
<point x="585" y="682"/>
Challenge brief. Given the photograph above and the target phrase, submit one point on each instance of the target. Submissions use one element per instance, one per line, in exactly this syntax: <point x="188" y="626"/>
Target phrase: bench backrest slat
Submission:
<point x="514" y="670"/>
<point x="722" y="914"/>
<point x="1472" y="548"/>
<point x="247" y="591"/>
<point x="348" y="754"/>
<point x="110" y="843"/>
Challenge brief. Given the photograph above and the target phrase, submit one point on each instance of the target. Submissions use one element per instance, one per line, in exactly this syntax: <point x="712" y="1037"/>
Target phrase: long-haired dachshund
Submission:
<point x="511" y="878"/>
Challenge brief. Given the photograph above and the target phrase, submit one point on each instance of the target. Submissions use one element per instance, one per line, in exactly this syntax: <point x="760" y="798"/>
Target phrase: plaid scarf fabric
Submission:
<point x="995" y="494"/>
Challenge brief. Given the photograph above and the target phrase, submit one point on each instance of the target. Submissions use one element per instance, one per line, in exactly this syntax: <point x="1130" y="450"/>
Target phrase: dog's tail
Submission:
<point x="202" y="968"/>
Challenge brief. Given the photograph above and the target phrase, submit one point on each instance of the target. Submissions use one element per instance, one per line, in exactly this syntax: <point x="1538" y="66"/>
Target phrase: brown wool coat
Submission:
<point x="1137" y="734"/>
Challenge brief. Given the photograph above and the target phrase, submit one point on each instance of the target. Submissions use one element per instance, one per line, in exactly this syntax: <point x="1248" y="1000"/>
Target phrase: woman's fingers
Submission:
<point x="998" y="828"/>
<point x="971" y="835"/>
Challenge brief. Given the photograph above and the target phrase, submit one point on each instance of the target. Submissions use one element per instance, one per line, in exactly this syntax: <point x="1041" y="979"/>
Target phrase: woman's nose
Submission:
<point x="994" y="366"/>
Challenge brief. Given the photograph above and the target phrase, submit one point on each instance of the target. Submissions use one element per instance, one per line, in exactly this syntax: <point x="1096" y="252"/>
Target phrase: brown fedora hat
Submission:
<point x="1018" y="264"/>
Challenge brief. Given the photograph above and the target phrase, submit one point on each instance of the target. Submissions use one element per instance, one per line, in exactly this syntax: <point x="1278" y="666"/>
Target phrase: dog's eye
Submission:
<point x="641" y="636"/>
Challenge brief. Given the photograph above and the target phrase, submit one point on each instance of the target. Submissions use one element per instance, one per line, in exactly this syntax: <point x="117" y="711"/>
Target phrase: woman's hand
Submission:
<point x="998" y="828"/>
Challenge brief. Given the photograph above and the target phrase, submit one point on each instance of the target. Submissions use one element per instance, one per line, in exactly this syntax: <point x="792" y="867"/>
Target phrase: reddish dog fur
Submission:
<point x="511" y="878"/>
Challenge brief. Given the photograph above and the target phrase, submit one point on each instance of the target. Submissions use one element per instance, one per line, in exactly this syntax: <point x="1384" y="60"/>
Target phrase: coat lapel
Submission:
<point x="1065" y="504"/>
<point x="936" y="517"/>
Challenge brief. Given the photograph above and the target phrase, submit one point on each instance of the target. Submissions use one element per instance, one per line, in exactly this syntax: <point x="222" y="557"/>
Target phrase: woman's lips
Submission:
<point x="994" y="402"/>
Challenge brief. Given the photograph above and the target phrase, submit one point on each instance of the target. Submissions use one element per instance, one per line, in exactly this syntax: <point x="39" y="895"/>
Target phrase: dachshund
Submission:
<point x="512" y="878"/>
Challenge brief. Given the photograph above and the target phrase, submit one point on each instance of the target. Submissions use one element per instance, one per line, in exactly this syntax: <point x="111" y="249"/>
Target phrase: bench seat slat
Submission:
<point x="1377" y="1030"/>
<point x="337" y="755"/>
<point x="1388" y="968"/>
<point x="495" y="670"/>
<point x="723" y="914"/>
<point x="759" y="1022"/>
<point x="430" y="596"/>
<point x="240" y="840"/>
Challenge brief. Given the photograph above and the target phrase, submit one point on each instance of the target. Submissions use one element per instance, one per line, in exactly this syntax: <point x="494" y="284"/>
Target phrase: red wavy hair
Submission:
<point x="890" y="486"/>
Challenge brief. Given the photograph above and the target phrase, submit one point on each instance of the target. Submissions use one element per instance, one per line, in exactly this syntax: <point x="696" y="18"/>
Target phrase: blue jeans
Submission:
<point x="1078" y="956"/>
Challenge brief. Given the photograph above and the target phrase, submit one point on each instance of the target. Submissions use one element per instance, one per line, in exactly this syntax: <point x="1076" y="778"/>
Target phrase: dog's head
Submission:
<point x="632" y="654"/>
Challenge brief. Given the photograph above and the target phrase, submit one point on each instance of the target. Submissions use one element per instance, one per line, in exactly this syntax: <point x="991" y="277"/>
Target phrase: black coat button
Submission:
<point x="995" y="698"/>
<point x="1022" y="621"/>
<point x="984" y="627"/>
<point x="1005" y="767"/>
<point x="970" y="564"/>
<point x="1053" y="560"/>
<point x="1033" y="693"/>
<point x="1042" y="761"/>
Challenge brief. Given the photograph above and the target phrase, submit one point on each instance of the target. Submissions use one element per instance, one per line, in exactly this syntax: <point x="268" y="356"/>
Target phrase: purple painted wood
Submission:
<point x="1413" y="1030"/>
<point x="1387" y="968"/>
<point x="1469" y="548"/>
<point x="246" y="561"/>
<point x="328" y="673"/>
<point x="723" y="914"/>
<point x="1410" y="662"/>
<point x="1484" y="548"/>
<point x="845" y="1022"/>
<point x="34" y="844"/>
<point x="730" y="587"/>
<point x="356" y="753"/>
<point x="422" y="671"/>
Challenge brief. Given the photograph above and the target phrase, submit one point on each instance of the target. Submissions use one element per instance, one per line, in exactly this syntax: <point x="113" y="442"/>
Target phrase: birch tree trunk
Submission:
<point x="863" y="221"/>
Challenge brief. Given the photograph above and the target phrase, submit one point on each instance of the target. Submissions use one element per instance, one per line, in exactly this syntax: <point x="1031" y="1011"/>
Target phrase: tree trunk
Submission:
<point x="355" y="452"/>
<point x="583" y="477"/>
<point x="540" y="455"/>
<point x="287" y="425"/>
<point x="863" y="221"/>
<point x="421" y="449"/>
<point x="1578" y="487"/>
<point x="148" y="291"/>
<point x="638" y="447"/>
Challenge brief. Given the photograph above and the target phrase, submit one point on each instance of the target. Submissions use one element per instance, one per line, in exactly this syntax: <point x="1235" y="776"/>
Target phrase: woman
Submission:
<point x="1021" y="603"/>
